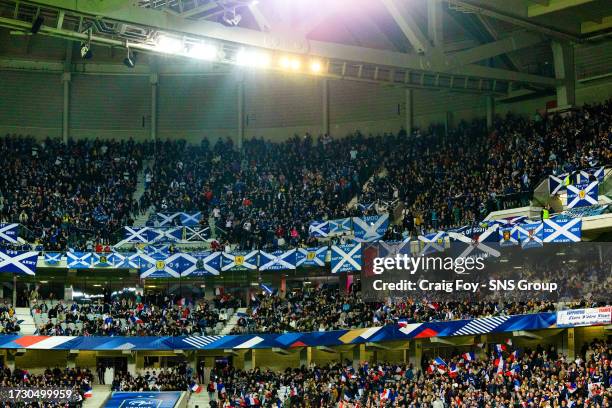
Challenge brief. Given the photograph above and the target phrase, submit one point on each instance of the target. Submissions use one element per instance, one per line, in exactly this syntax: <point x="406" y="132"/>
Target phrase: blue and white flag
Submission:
<point x="174" y="234"/>
<point x="277" y="260"/>
<point x="311" y="256"/>
<point x="531" y="235"/>
<point x="9" y="233"/>
<point x="582" y="195"/>
<point x="508" y="236"/>
<point x="204" y="264"/>
<point x="345" y="258"/>
<point x="196" y="234"/>
<point x="340" y="226"/>
<point x="560" y="229"/>
<point x="363" y="207"/>
<point x="190" y="219"/>
<point x="157" y="250"/>
<point x="392" y="249"/>
<point x="78" y="260"/>
<point x="318" y="229"/>
<point x="585" y="175"/>
<point x="170" y="267"/>
<point x="136" y="235"/>
<point x="166" y="220"/>
<point x="507" y="221"/>
<point x="101" y="260"/>
<point x="53" y="258"/>
<point x="434" y="242"/>
<point x="239" y="260"/>
<point x="18" y="262"/>
<point x="370" y="228"/>
<point x="556" y="184"/>
<point x="122" y="260"/>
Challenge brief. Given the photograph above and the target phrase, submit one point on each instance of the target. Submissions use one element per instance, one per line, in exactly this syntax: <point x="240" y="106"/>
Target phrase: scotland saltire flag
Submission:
<point x="585" y="175"/>
<point x="136" y="235"/>
<point x="166" y="220"/>
<point x="174" y="234"/>
<point x="189" y="220"/>
<point x="18" y="262"/>
<point x="391" y="249"/>
<point x="204" y="263"/>
<point x="531" y="235"/>
<point x="126" y="260"/>
<point x="556" y="184"/>
<point x="318" y="229"/>
<point x="157" y="250"/>
<point x="363" y="207"/>
<point x="434" y="242"/>
<point x="340" y="226"/>
<point x="311" y="256"/>
<point x="9" y="233"/>
<point x="508" y="236"/>
<point x="78" y="260"/>
<point x="196" y="234"/>
<point x="345" y="258"/>
<point x="239" y="260"/>
<point x="53" y="258"/>
<point x="560" y="229"/>
<point x="101" y="260"/>
<point x="370" y="228"/>
<point x="511" y="220"/>
<point x="582" y="195"/>
<point x="170" y="267"/>
<point x="277" y="260"/>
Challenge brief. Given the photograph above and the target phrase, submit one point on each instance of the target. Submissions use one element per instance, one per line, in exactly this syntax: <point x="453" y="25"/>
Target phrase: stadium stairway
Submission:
<point x="142" y="219"/>
<point x="200" y="400"/>
<point x="24" y="316"/>
<point x="100" y="394"/>
<point x="233" y="321"/>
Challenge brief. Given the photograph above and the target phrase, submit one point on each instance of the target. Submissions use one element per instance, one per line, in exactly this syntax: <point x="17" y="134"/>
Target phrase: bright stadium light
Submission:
<point x="315" y="66"/>
<point x="169" y="45"/>
<point x="253" y="58"/>
<point x="285" y="62"/>
<point x="203" y="51"/>
<point x="295" y="64"/>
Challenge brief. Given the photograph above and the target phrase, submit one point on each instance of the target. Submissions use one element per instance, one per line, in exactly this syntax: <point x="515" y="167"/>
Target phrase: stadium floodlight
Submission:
<point x="86" y="52"/>
<point x="285" y="62"/>
<point x="253" y="58"/>
<point x="130" y="60"/>
<point x="169" y="45"/>
<point x="203" y="51"/>
<point x="315" y="66"/>
<point x="295" y="64"/>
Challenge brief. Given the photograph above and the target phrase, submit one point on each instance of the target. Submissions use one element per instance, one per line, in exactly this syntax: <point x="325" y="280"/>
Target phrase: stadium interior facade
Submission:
<point x="194" y="195"/>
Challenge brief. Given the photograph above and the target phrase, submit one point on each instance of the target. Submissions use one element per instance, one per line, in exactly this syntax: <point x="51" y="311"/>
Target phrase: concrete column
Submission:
<point x="563" y="56"/>
<point x="568" y="344"/>
<point x="154" y="80"/>
<point x="241" y="117"/>
<point x="14" y="290"/>
<point x="415" y="354"/>
<point x="10" y="360"/>
<point x="359" y="355"/>
<point x="305" y="357"/>
<point x="131" y="362"/>
<point x="325" y="107"/>
<point x="249" y="360"/>
<point x="71" y="359"/>
<point x="490" y="111"/>
<point x="409" y="125"/>
<point x="66" y="78"/>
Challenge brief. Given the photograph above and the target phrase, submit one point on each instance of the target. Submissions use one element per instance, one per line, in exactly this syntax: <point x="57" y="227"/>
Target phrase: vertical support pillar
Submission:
<point x="569" y="344"/>
<point x="10" y="360"/>
<point x="359" y="355"/>
<point x="241" y="118"/>
<point x="563" y="56"/>
<point x="409" y="125"/>
<point x="249" y="360"/>
<point x="131" y="362"/>
<point x="325" y="107"/>
<point x="305" y="357"/>
<point x="66" y="78"/>
<point x="490" y="101"/>
<point x="14" y="290"/>
<point x="154" y="81"/>
<point x="71" y="358"/>
<point x="283" y="285"/>
<point x="415" y="354"/>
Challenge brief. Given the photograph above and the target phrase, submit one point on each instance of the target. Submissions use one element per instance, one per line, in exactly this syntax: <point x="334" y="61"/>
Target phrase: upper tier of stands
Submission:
<point x="80" y="194"/>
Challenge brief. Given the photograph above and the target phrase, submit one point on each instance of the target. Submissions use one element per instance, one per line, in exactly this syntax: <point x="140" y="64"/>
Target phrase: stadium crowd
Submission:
<point x="76" y="379"/>
<point x="134" y="316"/>
<point x="515" y="378"/>
<point x="175" y="379"/>
<point x="79" y="194"/>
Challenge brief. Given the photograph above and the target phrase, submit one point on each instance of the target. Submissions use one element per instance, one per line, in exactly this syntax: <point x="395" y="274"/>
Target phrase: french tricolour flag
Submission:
<point x="453" y="371"/>
<point x="571" y="387"/>
<point x="469" y="356"/>
<point x="88" y="393"/>
<point x="500" y="348"/>
<point x="195" y="387"/>
<point x="385" y="394"/>
<point x="499" y="363"/>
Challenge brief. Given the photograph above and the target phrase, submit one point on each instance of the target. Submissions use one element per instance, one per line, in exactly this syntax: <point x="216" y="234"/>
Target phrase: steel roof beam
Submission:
<point x="408" y="26"/>
<point x="553" y="6"/>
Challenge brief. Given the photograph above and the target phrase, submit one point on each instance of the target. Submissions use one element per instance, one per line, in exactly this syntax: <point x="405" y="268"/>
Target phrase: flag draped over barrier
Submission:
<point x="561" y="229"/>
<point x="240" y="260"/>
<point x="582" y="195"/>
<point x="311" y="256"/>
<point x="370" y="228"/>
<point x="277" y="260"/>
<point x="319" y="229"/>
<point x="18" y="262"/>
<point x="345" y="258"/>
<point x="9" y="233"/>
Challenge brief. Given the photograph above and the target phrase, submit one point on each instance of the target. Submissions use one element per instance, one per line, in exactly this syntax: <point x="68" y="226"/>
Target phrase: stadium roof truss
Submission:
<point x="401" y="43"/>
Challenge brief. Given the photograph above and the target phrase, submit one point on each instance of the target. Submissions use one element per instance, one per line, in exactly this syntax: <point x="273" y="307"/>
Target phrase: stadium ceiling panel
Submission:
<point x="441" y="44"/>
